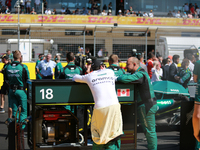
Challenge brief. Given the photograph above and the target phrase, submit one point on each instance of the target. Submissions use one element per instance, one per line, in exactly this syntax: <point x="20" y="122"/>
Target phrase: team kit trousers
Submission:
<point x="147" y="121"/>
<point x="17" y="98"/>
<point x="106" y="128"/>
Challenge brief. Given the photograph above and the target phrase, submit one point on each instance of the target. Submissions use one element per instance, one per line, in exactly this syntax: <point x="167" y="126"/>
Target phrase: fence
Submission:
<point x="76" y="41"/>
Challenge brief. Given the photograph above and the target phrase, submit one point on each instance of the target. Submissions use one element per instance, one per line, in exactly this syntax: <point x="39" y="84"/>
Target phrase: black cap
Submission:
<point x="96" y="64"/>
<point x="5" y="57"/>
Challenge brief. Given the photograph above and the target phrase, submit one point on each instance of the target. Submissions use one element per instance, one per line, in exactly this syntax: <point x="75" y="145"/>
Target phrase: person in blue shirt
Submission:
<point x="46" y="67"/>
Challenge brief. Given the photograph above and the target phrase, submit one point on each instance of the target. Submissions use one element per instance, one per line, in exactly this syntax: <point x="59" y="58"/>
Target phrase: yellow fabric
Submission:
<point x="106" y="124"/>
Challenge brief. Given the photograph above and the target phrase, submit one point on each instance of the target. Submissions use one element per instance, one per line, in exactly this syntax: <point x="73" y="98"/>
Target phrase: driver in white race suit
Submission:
<point x="106" y="124"/>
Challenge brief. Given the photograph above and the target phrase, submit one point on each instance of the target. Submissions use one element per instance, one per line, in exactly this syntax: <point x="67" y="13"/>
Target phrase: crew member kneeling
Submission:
<point x="17" y="75"/>
<point x="147" y="104"/>
<point x="106" y="124"/>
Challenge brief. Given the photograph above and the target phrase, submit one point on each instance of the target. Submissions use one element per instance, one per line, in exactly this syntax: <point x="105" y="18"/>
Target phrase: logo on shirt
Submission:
<point x="123" y="92"/>
<point x="174" y="90"/>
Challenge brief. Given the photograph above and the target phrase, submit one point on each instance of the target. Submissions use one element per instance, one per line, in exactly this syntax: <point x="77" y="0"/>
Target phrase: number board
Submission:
<point x="77" y="93"/>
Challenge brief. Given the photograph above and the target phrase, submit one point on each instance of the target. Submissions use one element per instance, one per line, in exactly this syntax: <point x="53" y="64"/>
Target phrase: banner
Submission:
<point x="107" y="20"/>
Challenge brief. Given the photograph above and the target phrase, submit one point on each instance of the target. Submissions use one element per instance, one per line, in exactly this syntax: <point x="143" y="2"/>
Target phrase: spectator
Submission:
<point x="139" y="14"/>
<point x="100" y="53"/>
<point x="9" y="55"/>
<point x="33" y="11"/>
<point x="104" y="13"/>
<point x="23" y="11"/>
<point x="7" y="10"/>
<point x="165" y="69"/>
<point x="173" y="69"/>
<point x="169" y="14"/>
<point x="8" y="3"/>
<point x="68" y="11"/>
<point x="127" y="13"/>
<point x="73" y="12"/>
<point x="184" y="75"/>
<point x="120" y="13"/>
<point x="195" y="6"/>
<point x="141" y="58"/>
<point x="45" y="3"/>
<point x="196" y="15"/>
<point x="77" y="11"/>
<point x="28" y="6"/>
<point x="134" y="14"/>
<point x="130" y="8"/>
<point x="170" y="59"/>
<point x="151" y="14"/>
<point x="174" y="13"/>
<point x="190" y="15"/>
<point x="110" y="6"/>
<point x="198" y="11"/>
<point x="89" y="12"/>
<point x="150" y="63"/>
<point x="104" y="7"/>
<point x="109" y="12"/>
<point x="157" y="72"/>
<point x="54" y="12"/>
<point x="94" y="8"/>
<point x="63" y="10"/>
<point x="145" y="14"/>
<point x="3" y="10"/>
<point x="184" y="15"/>
<point x="37" y="5"/>
<point x="2" y="3"/>
<point x="48" y="12"/>
<point x="85" y="11"/>
<point x="178" y="15"/>
<point x="186" y="8"/>
<point x="192" y="10"/>
<point x="58" y="67"/>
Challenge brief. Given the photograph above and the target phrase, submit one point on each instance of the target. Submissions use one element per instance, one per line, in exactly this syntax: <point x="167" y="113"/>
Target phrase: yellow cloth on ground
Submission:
<point x="106" y="124"/>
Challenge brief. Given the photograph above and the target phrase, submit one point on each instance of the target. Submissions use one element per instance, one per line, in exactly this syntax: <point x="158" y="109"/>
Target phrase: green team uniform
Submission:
<point x="67" y="73"/>
<point x="197" y="93"/>
<point x="146" y="101"/>
<point x="185" y="76"/>
<point x="58" y="69"/>
<point x="37" y="75"/>
<point x="117" y="70"/>
<point x="17" y="75"/>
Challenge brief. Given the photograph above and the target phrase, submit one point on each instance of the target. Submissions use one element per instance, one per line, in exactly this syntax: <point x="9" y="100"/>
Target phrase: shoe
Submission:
<point x="2" y="111"/>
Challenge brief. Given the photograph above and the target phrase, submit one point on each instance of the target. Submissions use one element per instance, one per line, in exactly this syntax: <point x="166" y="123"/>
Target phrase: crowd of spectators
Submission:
<point x="188" y="11"/>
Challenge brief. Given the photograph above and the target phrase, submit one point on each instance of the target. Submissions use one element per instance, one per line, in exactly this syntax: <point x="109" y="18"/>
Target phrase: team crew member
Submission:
<point x="147" y="105"/>
<point x="113" y="61"/>
<point x="184" y="75"/>
<point x="69" y="71"/>
<point x="106" y="123"/>
<point x="196" y="114"/>
<point x="58" y="67"/>
<point x="17" y="75"/>
<point x="46" y="67"/>
<point x="41" y="57"/>
<point x="4" y="87"/>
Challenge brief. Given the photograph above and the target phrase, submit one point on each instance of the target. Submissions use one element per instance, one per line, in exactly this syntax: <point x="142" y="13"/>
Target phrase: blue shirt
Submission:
<point x="46" y="67"/>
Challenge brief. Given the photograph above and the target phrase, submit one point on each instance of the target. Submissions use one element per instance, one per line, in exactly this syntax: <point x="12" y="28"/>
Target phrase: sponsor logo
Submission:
<point x="174" y="90"/>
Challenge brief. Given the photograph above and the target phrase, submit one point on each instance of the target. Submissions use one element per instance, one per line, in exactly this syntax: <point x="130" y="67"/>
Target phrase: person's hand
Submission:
<point x="177" y="77"/>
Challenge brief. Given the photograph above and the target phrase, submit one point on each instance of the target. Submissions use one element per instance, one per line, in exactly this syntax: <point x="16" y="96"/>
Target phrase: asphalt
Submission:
<point x="167" y="139"/>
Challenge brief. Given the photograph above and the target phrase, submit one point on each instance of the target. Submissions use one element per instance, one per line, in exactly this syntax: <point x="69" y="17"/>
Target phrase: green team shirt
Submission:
<point x="117" y="70"/>
<point x="143" y="87"/>
<point x="197" y="72"/>
<point x="17" y="74"/>
<point x="69" y="71"/>
<point x="185" y="76"/>
<point x="37" y="62"/>
<point x="58" y="69"/>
